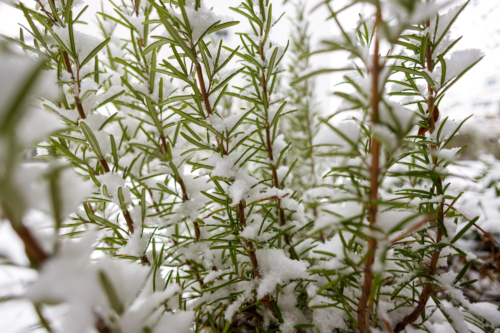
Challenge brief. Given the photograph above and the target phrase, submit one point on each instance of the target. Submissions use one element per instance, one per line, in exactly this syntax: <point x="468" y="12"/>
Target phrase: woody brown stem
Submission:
<point x="130" y="224"/>
<point x="180" y="181"/>
<point x="154" y="202"/>
<point x="253" y="259"/>
<point x="101" y="325"/>
<point x="430" y="100"/>
<point x="104" y="165"/>
<point x="426" y="291"/>
<point x="197" y="276"/>
<point x="203" y="89"/>
<point x="136" y="7"/>
<point x="249" y="247"/>
<point x="67" y="65"/>
<point x="266" y="300"/>
<point x="126" y="215"/>
<point x="428" y="288"/>
<point x="33" y="250"/>
<point x="363" y="306"/>
<point x="128" y="218"/>
<point x="204" y="94"/>
<point x="255" y="266"/>
<point x="78" y="103"/>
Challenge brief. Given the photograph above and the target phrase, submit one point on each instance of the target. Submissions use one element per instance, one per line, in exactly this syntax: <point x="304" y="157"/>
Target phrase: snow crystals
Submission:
<point x="201" y="19"/>
<point x="348" y="134"/>
<point x="110" y="183"/>
<point x="276" y="268"/>
<point x="460" y="61"/>
<point x="84" y="43"/>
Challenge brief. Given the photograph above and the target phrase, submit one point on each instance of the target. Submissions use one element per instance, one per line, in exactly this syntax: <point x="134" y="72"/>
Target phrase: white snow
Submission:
<point x="460" y="60"/>
<point x="397" y="116"/>
<point x="178" y="322"/>
<point x="84" y="43"/>
<point x="200" y="20"/>
<point x="350" y="133"/>
<point x="37" y="124"/>
<point x="139" y="240"/>
<point x="113" y="182"/>
<point x="237" y="190"/>
<point x="276" y="268"/>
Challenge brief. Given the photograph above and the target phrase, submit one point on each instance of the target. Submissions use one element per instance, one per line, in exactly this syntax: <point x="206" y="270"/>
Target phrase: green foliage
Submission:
<point x="226" y="188"/>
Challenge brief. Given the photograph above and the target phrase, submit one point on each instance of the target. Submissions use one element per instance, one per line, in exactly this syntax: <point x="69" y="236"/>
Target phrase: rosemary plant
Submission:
<point x="185" y="189"/>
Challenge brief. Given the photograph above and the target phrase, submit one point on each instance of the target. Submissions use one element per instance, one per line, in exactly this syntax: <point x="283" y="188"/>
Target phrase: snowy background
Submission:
<point x="479" y="28"/>
<point x="478" y="93"/>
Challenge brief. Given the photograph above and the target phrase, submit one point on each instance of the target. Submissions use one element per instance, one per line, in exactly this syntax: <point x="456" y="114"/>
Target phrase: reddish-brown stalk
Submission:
<point x="153" y="200"/>
<point x="203" y="89"/>
<point x="205" y="93"/>
<point x="101" y="325"/>
<point x="180" y="181"/>
<point x="363" y="306"/>
<point x="428" y="288"/>
<point x="34" y="251"/>
<point x="136" y="7"/>
<point x="185" y="198"/>
<point x="164" y="145"/>
<point x="67" y="65"/>
<point x="129" y="221"/>
<point x="104" y="164"/>
<point x="206" y="101"/>
<point x="75" y="90"/>
<point x="248" y="245"/>
<point x="250" y="249"/>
